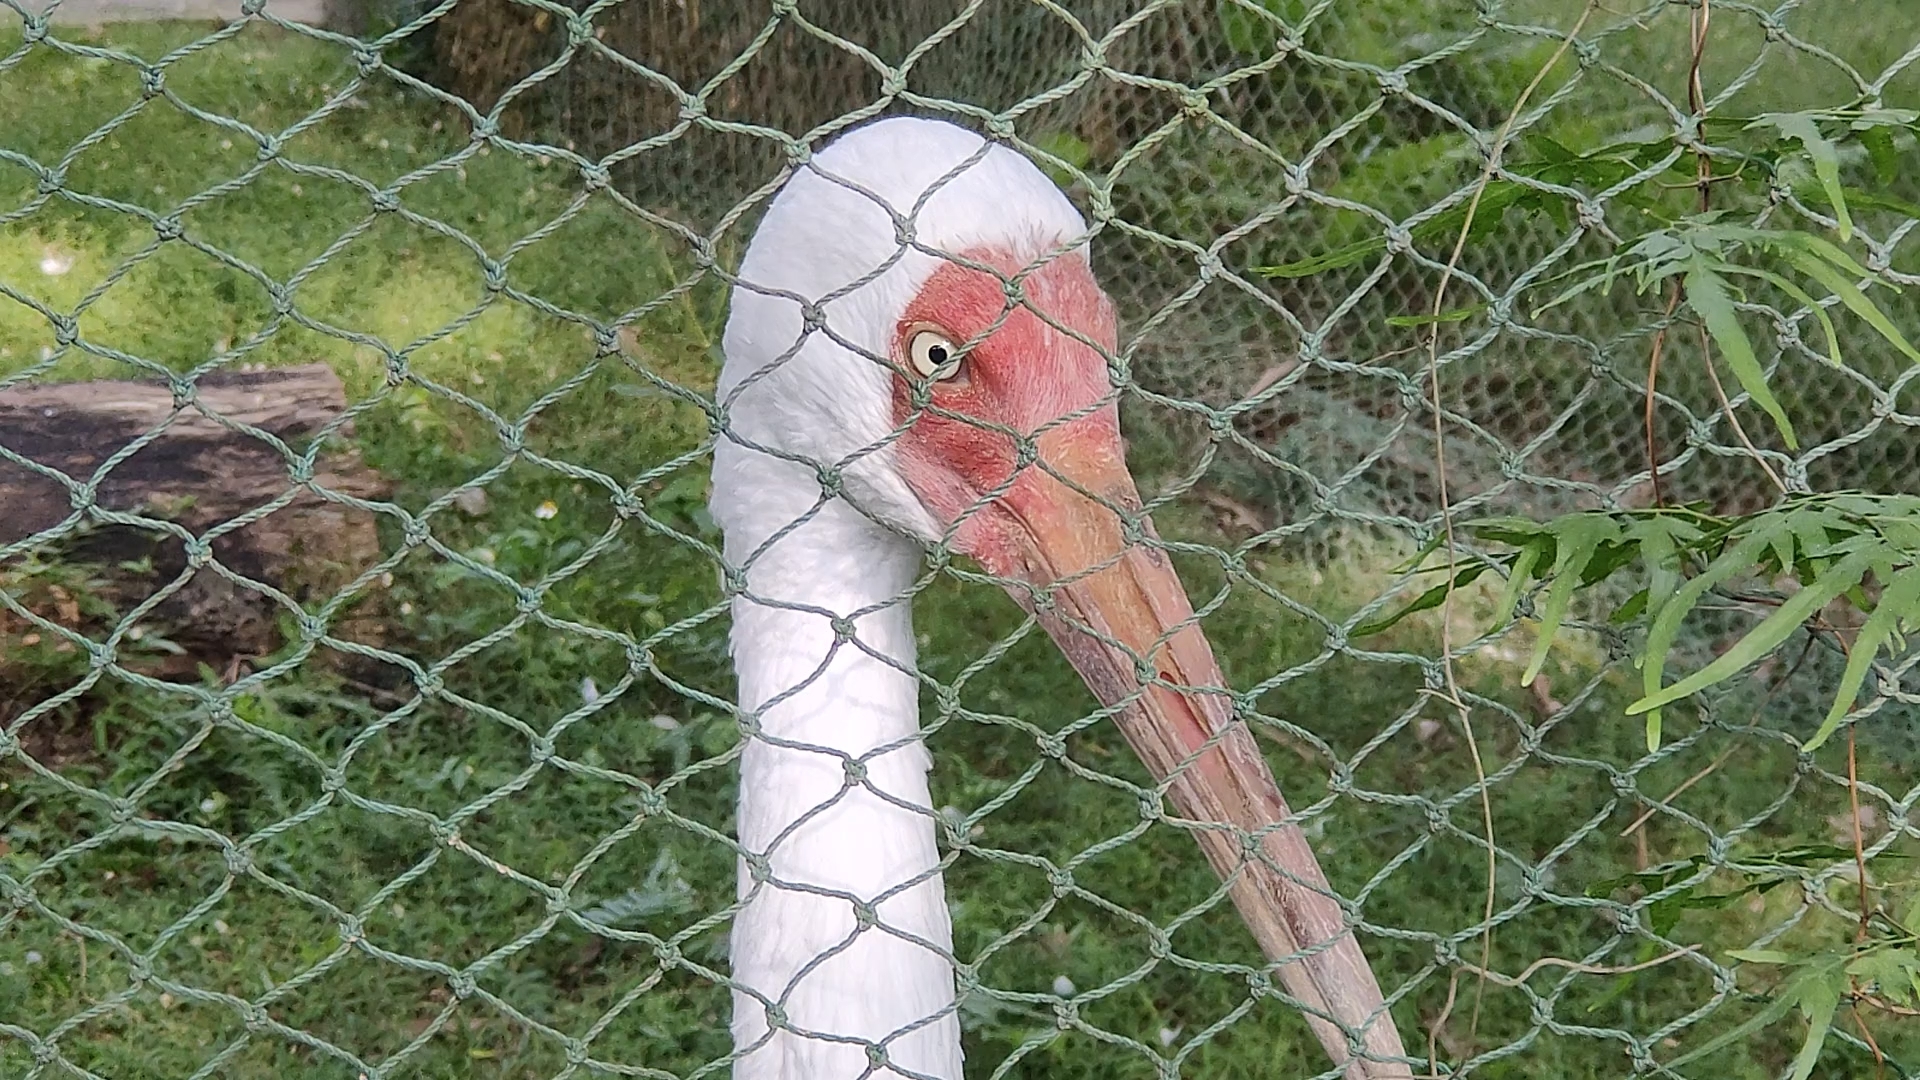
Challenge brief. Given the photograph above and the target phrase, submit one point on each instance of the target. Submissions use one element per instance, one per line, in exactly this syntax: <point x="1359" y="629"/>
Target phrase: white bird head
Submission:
<point x="917" y="313"/>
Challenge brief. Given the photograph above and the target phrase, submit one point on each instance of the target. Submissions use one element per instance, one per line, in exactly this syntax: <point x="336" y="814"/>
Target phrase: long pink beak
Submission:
<point x="1106" y="602"/>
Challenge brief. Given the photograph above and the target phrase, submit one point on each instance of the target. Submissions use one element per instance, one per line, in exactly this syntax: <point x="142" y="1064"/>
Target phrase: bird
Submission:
<point x="916" y="361"/>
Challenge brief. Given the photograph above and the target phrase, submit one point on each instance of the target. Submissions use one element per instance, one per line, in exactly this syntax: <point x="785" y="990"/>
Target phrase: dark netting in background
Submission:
<point x="1200" y="175"/>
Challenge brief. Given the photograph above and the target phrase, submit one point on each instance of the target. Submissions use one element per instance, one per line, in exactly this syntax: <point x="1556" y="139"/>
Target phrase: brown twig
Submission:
<point x="1726" y="406"/>
<point x="1584" y="969"/>
<point x="1859" y="844"/>
<point x="1879" y="1059"/>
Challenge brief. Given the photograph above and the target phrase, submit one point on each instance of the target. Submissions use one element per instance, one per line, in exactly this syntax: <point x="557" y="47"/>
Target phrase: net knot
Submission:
<point x="367" y="60"/>
<point x="876" y="1056"/>
<point x="168" y="228"/>
<point x="386" y="201"/>
<point x="542" y="750"/>
<point x="576" y="1051"/>
<point x="1392" y="83"/>
<point x="239" y="861"/>
<point x="1061" y="879"/>
<point x="461" y="984"/>
<point x="65" y="331"/>
<point x="51" y="181"/>
<point x="35" y="31"/>
<point x="579" y="30"/>
<point x="496" y="275"/>
<point x="153" y="80"/>
<point x="351" y="929"/>
<point x="864" y="915"/>
<point x="651" y="802"/>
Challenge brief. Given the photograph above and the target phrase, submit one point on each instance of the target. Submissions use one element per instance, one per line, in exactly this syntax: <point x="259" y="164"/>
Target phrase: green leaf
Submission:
<point x="1880" y="151"/>
<point x="1855" y="300"/>
<point x="1707" y="292"/>
<point x="1826" y="158"/>
<point x="1900" y="599"/>
<point x="1792" y="993"/>
<point x="1633" y="608"/>
<point x="1762" y="956"/>
<point x="1666" y="625"/>
<point x="1797" y="293"/>
<point x="1432" y="598"/>
<point x="1818" y="1002"/>
<point x="1763" y="639"/>
<point x="1891" y="970"/>
<point x="1580" y="535"/>
<point x="1517" y="577"/>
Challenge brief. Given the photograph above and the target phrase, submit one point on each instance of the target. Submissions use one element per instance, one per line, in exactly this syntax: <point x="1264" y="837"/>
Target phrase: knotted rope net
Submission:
<point x="470" y="812"/>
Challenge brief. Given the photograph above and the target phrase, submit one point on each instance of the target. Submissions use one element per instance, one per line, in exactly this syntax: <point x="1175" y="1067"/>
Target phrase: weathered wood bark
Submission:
<point x="199" y="473"/>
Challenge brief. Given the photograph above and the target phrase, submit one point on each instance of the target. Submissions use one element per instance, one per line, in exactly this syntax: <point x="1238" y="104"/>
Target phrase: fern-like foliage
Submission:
<point x="1864" y="548"/>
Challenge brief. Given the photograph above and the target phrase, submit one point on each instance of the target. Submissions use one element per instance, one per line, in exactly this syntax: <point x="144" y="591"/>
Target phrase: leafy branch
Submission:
<point x="1879" y="968"/>
<point x="1863" y="548"/>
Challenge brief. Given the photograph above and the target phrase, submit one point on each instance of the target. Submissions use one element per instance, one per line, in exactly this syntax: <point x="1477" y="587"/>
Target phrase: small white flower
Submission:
<point x="589" y="693"/>
<point x="34" y="958"/>
<point x="1063" y="986"/>
<point x="547" y="511"/>
<point x="208" y="806"/>
<point x="220" y="927"/>
<point x="406" y="607"/>
<point x="1167" y="1035"/>
<point x="55" y="262"/>
<point x="665" y="722"/>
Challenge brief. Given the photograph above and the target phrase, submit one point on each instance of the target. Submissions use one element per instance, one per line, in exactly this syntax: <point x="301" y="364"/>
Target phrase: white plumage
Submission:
<point x="836" y="463"/>
<point x="822" y="702"/>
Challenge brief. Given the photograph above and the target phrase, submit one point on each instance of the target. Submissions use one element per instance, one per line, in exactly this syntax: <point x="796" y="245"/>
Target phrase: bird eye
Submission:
<point x="933" y="354"/>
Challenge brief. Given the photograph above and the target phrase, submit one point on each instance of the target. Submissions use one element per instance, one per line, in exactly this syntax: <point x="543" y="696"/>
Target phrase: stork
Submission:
<point x="916" y="355"/>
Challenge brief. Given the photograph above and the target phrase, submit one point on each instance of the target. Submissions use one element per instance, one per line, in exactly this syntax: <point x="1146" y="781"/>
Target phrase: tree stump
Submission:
<point x="200" y="473"/>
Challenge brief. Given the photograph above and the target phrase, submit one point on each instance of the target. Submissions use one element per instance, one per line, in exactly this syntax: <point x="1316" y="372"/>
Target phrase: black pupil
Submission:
<point x="937" y="354"/>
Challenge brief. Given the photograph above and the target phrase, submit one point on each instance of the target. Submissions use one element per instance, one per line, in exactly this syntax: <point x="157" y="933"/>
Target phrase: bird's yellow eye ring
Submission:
<point x="933" y="354"/>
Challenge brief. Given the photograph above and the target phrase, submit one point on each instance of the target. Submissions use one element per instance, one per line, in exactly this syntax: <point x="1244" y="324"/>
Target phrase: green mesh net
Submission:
<point x="457" y="798"/>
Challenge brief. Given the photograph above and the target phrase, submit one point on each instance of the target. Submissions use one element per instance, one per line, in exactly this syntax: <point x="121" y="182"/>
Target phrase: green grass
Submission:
<point x="400" y="292"/>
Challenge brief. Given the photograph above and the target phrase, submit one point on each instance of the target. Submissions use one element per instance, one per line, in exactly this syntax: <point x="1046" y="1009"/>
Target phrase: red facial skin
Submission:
<point x="1114" y="605"/>
<point x="1024" y="375"/>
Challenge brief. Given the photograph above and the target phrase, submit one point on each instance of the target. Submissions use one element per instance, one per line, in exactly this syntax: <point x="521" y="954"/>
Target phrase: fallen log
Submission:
<point x="204" y="469"/>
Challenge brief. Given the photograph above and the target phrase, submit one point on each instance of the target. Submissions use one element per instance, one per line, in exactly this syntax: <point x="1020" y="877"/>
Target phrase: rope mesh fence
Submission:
<point x="471" y="811"/>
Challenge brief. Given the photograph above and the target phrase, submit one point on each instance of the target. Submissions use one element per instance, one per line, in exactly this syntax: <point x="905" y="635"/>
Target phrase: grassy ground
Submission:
<point x="273" y="937"/>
